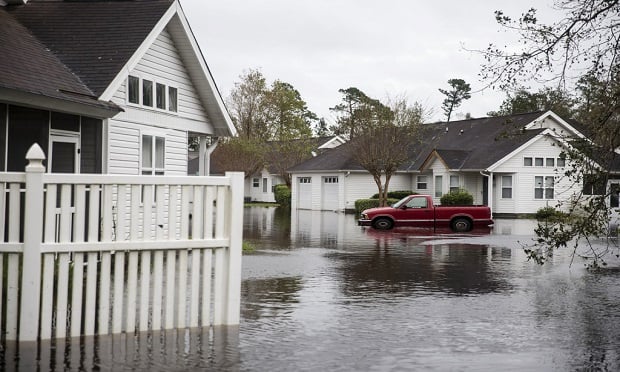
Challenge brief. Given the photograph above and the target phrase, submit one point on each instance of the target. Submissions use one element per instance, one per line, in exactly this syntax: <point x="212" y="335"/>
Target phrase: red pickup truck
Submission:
<point x="419" y="211"/>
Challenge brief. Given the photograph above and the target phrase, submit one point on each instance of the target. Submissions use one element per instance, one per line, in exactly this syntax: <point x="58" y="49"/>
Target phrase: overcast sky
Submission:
<point x="385" y="48"/>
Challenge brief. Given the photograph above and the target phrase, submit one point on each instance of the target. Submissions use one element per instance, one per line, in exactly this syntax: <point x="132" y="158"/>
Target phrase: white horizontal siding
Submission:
<point x="125" y="144"/>
<point x="524" y="177"/>
<point x="163" y="63"/>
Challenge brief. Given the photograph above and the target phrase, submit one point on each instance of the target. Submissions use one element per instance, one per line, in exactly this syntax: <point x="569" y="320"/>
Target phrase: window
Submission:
<point x="550" y="162"/>
<point x="417" y="203"/>
<point x="527" y="162"/>
<point x="422" y="183"/>
<point x="506" y="187"/>
<point x="543" y="187"/>
<point x="153" y="155"/>
<point x="538" y="162"/>
<point x="438" y="186"/>
<point x="133" y="86"/>
<point x="160" y="96"/>
<point x="454" y="184"/>
<point x="255" y="182"/>
<point x="593" y="185"/>
<point x="147" y="93"/>
<point x="305" y="180"/>
<point x="614" y="195"/>
<point x="330" y="179"/>
<point x="264" y="185"/>
<point x="561" y="162"/>
<point x="172" y="99"/>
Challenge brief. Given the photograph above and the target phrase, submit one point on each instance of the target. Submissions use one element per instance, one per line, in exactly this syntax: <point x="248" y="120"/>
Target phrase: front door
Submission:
<point x="64" y="154"/>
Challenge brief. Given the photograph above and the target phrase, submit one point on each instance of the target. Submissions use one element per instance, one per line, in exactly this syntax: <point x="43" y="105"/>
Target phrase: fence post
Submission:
<point x="33" y="234"/>
<point x="234" y="252"/>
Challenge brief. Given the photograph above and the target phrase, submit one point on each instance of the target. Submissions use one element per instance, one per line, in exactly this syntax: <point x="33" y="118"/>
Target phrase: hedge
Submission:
<point x="458" y="197"/>
<point x="395" y="194"/>
<point x="282" y="195"/>
<point x="362" y="204"/>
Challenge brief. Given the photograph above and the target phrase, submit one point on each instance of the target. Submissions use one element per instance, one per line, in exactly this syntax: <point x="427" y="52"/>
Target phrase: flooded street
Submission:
<point x="322" y="294"/>
<point x="334" y="296"/>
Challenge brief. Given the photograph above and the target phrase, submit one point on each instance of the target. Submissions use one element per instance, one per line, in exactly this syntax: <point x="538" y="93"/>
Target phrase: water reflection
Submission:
<point x="322" y="293"/>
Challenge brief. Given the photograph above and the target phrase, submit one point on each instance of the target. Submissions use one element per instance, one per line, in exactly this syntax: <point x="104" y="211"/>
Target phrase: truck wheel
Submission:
<point x="461" y="224"/>
<point x="382" y="223"/>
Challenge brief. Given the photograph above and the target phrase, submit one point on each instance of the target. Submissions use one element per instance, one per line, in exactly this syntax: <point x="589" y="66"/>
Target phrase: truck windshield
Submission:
<point x="399" y="203"/>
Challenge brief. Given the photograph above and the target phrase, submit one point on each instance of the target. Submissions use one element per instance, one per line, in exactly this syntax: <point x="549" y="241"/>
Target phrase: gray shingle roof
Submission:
<point x="473" y="144"/>
<point x="94" y="39"/>
<point x="29" y="66"/>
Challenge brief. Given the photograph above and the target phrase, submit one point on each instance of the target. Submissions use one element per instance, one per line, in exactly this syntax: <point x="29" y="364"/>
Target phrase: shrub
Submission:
<point x="458" y="197"/>
<point x="282" y="195"/>
<point x="362" y="204"/>
<point x="395" y="194"/>
<point x="549" y="214"/>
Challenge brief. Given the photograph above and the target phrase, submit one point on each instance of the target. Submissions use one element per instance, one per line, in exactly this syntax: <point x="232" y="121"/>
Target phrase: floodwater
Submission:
<point x="322" y="294"/>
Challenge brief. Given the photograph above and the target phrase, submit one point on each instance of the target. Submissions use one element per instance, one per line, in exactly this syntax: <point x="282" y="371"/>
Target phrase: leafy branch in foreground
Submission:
<point x="580" y="51"/>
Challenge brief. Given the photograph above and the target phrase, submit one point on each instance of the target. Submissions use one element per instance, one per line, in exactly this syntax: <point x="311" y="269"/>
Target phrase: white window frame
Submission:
<point x="421" y="180"/>
<point x="153" y="170"/>
<point x="330" y="179"/>
<point x="458" y="182"/>
<point x="256" y="182"/>
<point x="304" y="179"/>
<point x="544" y="187"/>
<point x="167" y="106"/>
<point x="507" y="186"/>
<point x="542" y="162"/>
<point x="528" y="159"/>
<point x="265" y="188"/>
<point x="438" y="183"/>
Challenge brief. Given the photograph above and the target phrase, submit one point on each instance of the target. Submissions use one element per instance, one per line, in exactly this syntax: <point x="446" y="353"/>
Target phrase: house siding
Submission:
<point x="124" y="153"/>
<point x="162" y="64"/>
<point x="523" y="200"/>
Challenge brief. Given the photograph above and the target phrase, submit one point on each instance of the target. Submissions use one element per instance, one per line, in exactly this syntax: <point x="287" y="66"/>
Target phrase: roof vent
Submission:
<point x="13" y="2"/>
<point x="446" y="129"/>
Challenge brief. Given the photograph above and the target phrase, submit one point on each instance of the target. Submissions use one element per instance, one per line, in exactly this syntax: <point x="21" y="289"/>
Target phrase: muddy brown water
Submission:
<point x="322" y="294"/>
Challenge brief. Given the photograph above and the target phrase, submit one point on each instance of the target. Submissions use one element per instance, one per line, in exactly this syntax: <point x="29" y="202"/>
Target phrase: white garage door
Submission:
<point x="330" y="193"/>
<point x="304" y="193"/>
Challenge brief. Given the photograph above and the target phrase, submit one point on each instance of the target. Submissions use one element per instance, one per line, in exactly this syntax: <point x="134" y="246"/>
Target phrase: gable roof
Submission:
<point x="99" y="42"/>
<point x="94" y="39"/>
<point x="337" y="159"/>
<point x="473" y="144"/>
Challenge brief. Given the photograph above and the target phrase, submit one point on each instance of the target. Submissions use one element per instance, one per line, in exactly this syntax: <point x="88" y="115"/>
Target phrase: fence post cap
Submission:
<point x="35" y="153"/>
<point x="35" y="157"/>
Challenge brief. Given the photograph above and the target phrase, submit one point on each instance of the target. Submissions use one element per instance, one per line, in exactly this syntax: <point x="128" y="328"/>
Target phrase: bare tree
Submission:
<point x="384" y="144"/>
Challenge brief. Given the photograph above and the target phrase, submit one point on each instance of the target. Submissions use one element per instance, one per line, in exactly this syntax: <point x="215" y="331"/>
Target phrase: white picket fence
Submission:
<point x="101" y="254"/>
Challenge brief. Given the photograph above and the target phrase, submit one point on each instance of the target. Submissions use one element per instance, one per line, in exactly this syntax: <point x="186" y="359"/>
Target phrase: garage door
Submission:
<point x="329" y="199"/>
<point x="304" y="192"/>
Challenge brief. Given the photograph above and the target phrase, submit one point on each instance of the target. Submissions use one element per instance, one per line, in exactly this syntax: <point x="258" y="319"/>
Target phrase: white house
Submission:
<point x="512" y="163"/>
<point x="104" y="87"/>
<point x="259" y="187"/>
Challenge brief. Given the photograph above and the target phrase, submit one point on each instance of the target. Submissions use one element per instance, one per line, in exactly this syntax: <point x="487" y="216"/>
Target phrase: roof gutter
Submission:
<point x="96" y="108"/>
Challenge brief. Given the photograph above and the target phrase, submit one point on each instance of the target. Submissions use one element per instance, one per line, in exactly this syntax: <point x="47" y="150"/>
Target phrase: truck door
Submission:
<point x="418" y="212"/>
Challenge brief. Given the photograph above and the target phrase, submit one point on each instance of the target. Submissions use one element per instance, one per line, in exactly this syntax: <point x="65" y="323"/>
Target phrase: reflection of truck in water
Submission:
<point x="419" y="211"/>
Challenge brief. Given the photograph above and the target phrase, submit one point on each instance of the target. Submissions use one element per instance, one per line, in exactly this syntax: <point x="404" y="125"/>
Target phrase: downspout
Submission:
<point x="490" y="190"/>
<point x="204" y="152"/>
